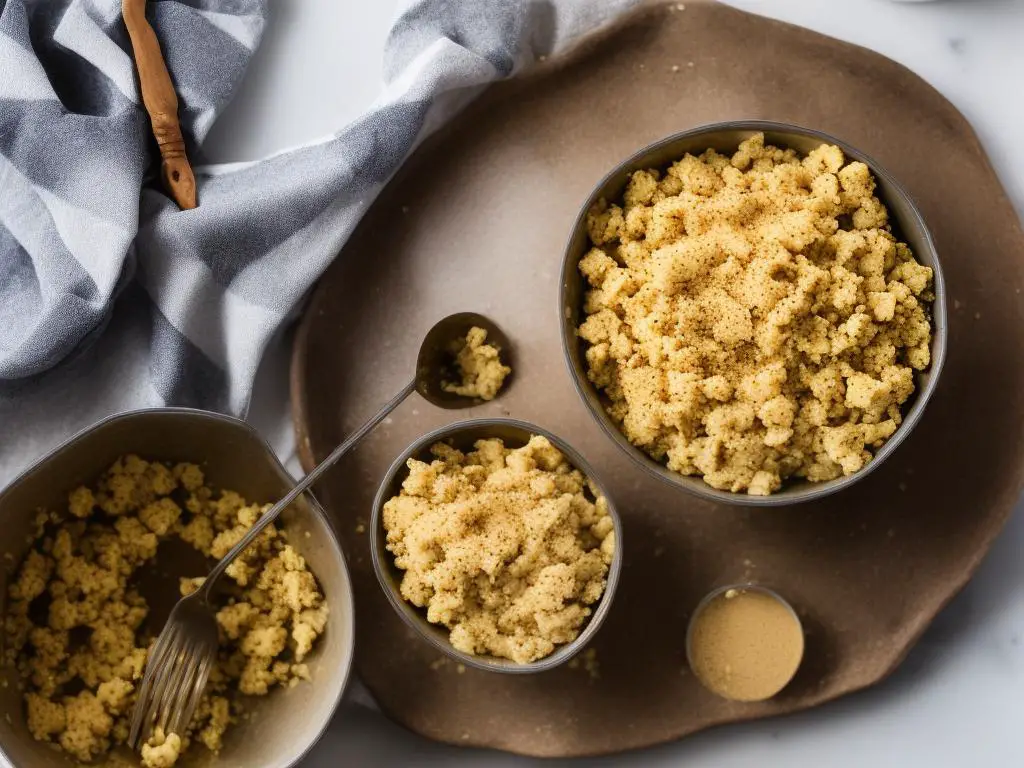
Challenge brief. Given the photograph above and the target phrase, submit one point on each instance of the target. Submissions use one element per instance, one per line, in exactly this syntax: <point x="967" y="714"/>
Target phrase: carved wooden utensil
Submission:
<point x="161" y="103"/>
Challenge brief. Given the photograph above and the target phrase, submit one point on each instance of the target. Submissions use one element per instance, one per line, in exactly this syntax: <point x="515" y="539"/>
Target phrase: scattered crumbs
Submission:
<point x="977" y="315"/>
<point x="389" y="420"/>
<point x="8" y="556"/>
<point x="415" y="412"/>
<point x="308" y="535"/>
<point x="542" y="57"/>
<point x="891" y="532"/>
<point x="360" y="525"/>
<point x="748" y="563"/>
<point x="903" y="486"/>
<point x="7" y="717"/>
<point x="680" y="7"/>
<point x="689" y="63"/>
<point x="3" y="683"/>
<point x="731" y="593"/>
<point x="405" y="209"/>
<point x="591" y="664"/>
<point x="461" y="669"/>
<point x="642" y="67"/>
<point x="574" y="663"/>
<point x="1017" y="290"/>
<point x="659" y="551"/>
<point x="293" y="682"/>
<point x="956" y="303"/>
<point x="437" y="663"/>
<point x="675" y="67"/>
<point x="465" y="737"/>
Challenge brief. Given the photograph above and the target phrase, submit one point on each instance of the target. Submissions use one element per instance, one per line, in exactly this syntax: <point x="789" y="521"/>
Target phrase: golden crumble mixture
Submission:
<point x="753" y="318"/>
<point x="479" y="366"/>
<point x="503" y="546"/>
<point x="74" y="617"/>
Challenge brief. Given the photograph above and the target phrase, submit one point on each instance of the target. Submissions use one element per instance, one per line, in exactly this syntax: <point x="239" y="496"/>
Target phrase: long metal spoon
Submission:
<point x="180" y="662"/>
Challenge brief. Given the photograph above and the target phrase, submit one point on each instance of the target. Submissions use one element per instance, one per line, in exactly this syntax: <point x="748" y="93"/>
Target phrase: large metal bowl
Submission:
<point x="726" y="137"/>
<point x="283" y="725"/>
<point x="463" y="435"/>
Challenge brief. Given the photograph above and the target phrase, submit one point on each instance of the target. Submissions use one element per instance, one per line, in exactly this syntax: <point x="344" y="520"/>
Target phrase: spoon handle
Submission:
<point x="161" y="103"/>
<point x="304" y="484"/>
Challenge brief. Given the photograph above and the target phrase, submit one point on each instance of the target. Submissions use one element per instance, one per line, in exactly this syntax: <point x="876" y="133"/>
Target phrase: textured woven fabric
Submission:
<point x="110" y="297"/>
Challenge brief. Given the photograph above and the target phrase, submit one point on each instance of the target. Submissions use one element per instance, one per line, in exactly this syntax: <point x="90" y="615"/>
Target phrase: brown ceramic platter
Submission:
<point x="477" y="220"/>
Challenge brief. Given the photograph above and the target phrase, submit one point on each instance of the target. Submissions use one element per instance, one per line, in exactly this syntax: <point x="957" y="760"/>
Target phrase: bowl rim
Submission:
<point x="414" y="618"/>
<point x="275" y="461"/>
<point x="804" y="491"/>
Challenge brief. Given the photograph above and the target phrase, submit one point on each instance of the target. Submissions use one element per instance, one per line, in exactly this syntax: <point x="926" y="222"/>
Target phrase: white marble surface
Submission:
<point x="959" y="698"/>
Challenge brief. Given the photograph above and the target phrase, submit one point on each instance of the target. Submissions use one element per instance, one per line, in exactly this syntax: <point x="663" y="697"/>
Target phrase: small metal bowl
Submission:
<point x="712" y="597"/>
<point x="725" y="137"/>
<point x="281" y="726"/>
<point x="463" y="435"/>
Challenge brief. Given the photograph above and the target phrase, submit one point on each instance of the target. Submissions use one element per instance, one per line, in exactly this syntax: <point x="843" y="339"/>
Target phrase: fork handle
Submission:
<point x="302" y="486"/>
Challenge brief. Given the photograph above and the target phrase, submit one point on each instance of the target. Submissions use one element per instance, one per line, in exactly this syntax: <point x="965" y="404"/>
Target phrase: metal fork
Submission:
<point x="180" y="662"/>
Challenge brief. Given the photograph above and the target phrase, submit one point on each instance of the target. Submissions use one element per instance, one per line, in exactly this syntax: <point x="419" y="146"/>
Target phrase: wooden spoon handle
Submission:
<point x="161" y="103"/>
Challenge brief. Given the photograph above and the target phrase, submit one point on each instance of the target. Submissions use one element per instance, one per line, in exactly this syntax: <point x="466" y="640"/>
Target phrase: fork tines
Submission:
<point x="173" y="684"/>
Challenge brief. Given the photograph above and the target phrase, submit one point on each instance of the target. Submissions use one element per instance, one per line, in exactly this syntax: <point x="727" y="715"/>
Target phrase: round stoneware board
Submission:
<point x="477" y="220"/>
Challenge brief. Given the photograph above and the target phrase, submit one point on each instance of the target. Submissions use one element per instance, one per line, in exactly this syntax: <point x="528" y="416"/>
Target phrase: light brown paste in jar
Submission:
<point x="745" y="645"/>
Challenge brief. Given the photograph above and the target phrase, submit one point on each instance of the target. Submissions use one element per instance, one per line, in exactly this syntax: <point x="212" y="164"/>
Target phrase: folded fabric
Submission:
<point x="111" y="297"/>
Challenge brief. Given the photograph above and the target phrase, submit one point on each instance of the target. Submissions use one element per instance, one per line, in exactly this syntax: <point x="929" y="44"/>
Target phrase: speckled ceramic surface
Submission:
<point x="478" y="220"/>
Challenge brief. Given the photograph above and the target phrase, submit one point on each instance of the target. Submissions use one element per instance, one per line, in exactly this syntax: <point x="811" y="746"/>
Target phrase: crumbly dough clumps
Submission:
<point x="74" y="620"/>
<point x="162" y="750"/>
<point x="753" y="318"/>
<point x="503" y="546"/>
<point x="480" y="368"/>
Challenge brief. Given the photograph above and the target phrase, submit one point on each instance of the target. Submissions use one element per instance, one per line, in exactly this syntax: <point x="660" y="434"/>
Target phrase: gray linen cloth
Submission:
<point x="110" y="297"/>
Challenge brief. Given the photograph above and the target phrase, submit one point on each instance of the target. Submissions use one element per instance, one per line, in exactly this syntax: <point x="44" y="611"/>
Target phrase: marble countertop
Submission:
<point x="959" y="697"/>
